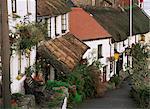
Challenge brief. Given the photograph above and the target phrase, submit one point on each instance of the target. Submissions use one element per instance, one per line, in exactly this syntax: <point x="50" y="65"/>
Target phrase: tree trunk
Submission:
<point x="5" y="54"/>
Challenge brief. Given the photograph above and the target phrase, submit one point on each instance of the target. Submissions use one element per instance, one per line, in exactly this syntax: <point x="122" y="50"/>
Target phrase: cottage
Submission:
<point x="116" y="22"/>
<point x="62" y="50"/>
<point x="87" y="29"/>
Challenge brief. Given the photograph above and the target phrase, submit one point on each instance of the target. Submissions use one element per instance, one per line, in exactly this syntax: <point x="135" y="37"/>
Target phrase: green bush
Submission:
<point x="115" y="79"/>
<point x="56" y="102"/>
<point x="16" y="96"/>
<point x="82" y="79"/>
<point x="142" y="97"/>
<point x="77" y="98"/>
<point x="141" y="76"/>
<point x="51" y="84"/>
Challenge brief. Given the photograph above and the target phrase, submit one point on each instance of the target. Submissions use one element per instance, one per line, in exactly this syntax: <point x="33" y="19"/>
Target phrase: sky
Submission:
<point x="147" y="6"/>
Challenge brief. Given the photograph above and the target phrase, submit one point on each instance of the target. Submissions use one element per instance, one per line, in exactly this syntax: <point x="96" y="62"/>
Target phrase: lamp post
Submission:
<point x="5" y="54"/>
<point x="130" y="26"/>
<point x="116" y="57"/>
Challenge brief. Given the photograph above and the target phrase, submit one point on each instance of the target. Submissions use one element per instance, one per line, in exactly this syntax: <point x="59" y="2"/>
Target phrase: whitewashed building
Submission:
<point x="20" y="11"/>
<point x="116" y="22"/>
<point x="61" y="51"/>
<point x="87" y="29"/>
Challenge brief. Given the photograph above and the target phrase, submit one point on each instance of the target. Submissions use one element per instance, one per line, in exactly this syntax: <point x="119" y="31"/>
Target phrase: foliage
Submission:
<point x="56" y="102"/>
<point x="115" y="79"/>
<point x="97" y="64"/>
<point x="141" y="76"/>
<point x="16" y="96"/>
<point x="60" y="89"/>
<point x="77" y="98"/>
<point x="29" y="35"/>
<point x="82" y="79"/>
<point x="51" y="84"/>
<point x="29" y="71"/>
<point x="110" y="86"/>
<point x="82" y="84"/>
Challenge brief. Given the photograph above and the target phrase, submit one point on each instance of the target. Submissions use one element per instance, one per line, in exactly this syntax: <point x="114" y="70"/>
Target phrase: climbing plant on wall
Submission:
<point x="27" y="36"/>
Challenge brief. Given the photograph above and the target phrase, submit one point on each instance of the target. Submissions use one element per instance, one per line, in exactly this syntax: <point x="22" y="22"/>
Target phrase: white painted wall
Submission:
<point x="21" y="11"/>
<point x="17" y="86"/>
<point x="147" y="38"/>
<point x="67" y="17"/>
<point x="53" y="27"/>
<point x="92" y="53"/>
<point x="58" y="25"/>
<point x="15" y="67"/>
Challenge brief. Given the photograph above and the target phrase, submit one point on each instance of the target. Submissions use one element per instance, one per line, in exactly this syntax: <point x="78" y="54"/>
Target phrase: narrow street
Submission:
<point x="116" y="99"/>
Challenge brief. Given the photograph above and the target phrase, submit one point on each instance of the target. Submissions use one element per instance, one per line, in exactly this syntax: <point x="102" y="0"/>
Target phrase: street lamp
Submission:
<point x="116" y="56"/>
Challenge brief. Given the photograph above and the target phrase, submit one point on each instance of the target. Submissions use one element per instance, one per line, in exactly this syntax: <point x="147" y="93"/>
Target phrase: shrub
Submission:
<point x="16" y="96"/>
<point x="82" y="79"/>
<point x="141" y="76"/>
<point x="115" y="79"/>
<point x="51" y="84"/>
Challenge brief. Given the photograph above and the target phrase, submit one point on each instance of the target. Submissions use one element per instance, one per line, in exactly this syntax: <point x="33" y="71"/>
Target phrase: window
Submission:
<point x="100" y="51"/>
<point x="48" y="23"/>
<point x="124" y="43"/>
<point x="14" y="7"/>
<point x="27" y="6"/>
<point x="56" y="27"/>
<point x="115" y="46"/>
<point x="64" y="23"/>
<point x="104" y="73"/>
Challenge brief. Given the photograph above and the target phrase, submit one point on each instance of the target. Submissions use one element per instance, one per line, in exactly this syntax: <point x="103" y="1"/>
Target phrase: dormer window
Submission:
<point x="64" y="23"/>
<point x="14" y="6"/>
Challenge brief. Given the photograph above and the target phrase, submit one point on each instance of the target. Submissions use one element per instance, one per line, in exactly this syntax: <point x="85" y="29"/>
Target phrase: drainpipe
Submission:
<point x="110" y="54"/>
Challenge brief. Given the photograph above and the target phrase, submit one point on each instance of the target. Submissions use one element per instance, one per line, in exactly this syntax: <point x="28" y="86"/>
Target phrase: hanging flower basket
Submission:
<point x="19" y="77"/>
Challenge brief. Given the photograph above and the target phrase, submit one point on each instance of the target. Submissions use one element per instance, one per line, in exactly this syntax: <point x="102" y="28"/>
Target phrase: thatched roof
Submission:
<point x="116" y="21"/>
<point x="70" y="3"/>
<point x="51" y="7"/>
<point x="64" y="53"/>
<point x="141" y="21"/>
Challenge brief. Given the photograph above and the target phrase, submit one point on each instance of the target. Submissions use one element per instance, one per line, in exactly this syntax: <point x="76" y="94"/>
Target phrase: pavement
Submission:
<point x="115" y="99"/>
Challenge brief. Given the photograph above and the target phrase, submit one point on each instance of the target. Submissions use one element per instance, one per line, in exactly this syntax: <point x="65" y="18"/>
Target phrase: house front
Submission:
<point x="86" y="28"/>
<point x="61" y="51"/>
<point x="20" y="11"/>
<point x="116" y="22"/>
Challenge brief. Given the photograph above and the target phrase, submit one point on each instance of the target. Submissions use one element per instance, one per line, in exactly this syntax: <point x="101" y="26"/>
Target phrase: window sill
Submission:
<point x="100" y="57"/>
<point x="63" y="31"/>
<point x="56" y="34"/>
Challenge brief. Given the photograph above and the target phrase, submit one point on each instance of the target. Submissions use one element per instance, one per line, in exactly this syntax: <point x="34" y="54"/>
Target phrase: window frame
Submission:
<point x="48" y="25"/>
<point x="100" y="51"/>
<point x="14" y="6"/>
<point x="64" y="23"/>
<point x="56" y="26"/>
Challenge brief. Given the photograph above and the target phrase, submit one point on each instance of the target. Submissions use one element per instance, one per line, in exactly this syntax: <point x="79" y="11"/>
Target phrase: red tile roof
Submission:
<point x="85" y="27"/>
